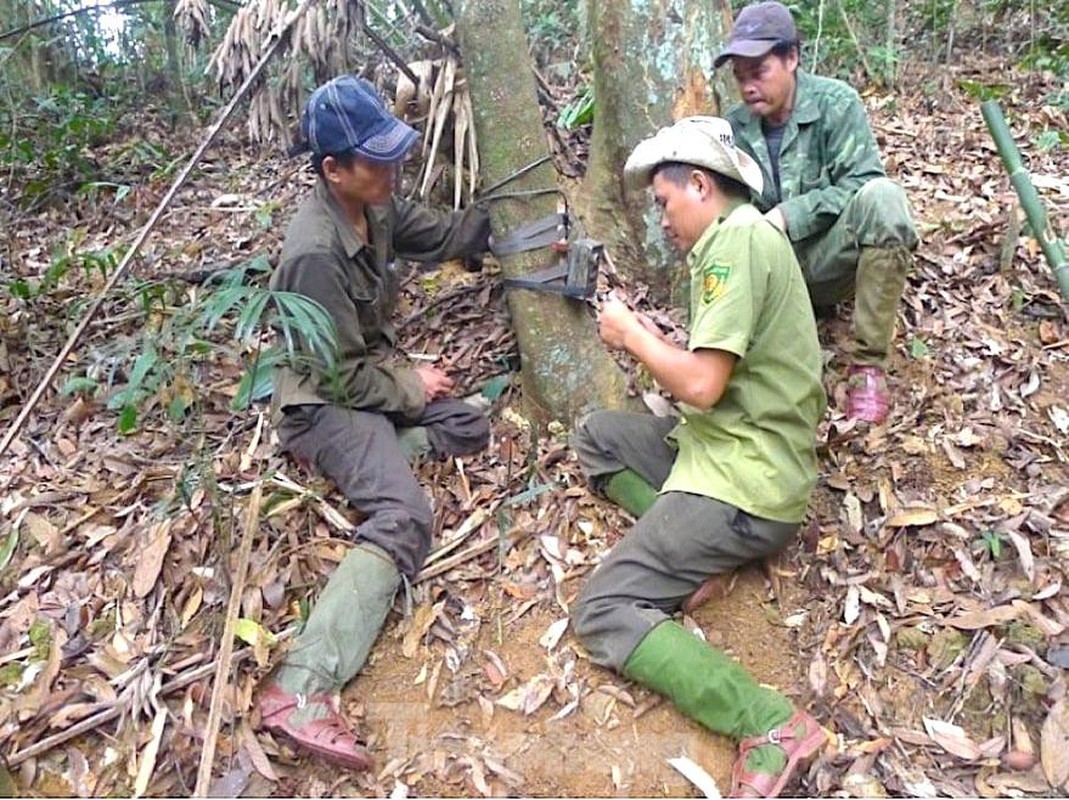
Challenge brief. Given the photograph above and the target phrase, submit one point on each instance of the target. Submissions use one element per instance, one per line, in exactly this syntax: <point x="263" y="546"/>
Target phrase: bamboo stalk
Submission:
<point x="226" y="647"/>
<point x="1034" y="210"/>
<point x="76" y="334"/>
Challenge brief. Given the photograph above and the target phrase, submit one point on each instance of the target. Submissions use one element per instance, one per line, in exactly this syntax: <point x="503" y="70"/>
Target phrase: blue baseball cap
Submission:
<point x="348" y="113"/>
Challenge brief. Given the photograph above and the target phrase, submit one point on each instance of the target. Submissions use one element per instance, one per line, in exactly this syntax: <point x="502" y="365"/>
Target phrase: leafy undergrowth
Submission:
<point x="921" y="614"/>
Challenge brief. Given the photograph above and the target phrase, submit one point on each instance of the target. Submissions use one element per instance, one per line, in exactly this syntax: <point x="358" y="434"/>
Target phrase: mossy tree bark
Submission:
<point x="565" y="368"/>
<point x="653" y="63"/>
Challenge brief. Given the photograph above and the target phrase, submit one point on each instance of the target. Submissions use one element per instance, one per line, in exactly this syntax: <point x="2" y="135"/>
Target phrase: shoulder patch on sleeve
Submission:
<point x="714" y="281"/>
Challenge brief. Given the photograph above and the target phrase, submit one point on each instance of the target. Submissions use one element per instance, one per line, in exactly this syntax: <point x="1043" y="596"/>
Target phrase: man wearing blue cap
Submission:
<point x="359" y="422"/>
<point x="826" y="188"/>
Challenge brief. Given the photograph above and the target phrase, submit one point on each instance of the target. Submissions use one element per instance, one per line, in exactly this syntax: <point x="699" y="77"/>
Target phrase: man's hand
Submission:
<point x="775" y="216"/>
<point x="436" y="383"/>
<point x="616" y="322"/>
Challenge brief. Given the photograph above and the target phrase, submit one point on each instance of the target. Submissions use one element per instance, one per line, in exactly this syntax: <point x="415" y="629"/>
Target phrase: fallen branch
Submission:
<point x="226" y="647"/>
<point x="427" y="32"/>
<point x="468" y="555"/>
<point x="278" y="37"/>
<point x="468" y="527"/>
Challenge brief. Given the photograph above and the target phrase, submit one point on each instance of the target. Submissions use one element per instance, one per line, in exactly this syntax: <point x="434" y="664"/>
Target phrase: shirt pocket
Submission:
<point x="367" y="300"/>
<point x="814" y="176"/>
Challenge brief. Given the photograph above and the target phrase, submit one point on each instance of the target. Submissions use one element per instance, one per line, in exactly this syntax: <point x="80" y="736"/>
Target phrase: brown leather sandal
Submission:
<point x="329" y="737"/>
<point x="800" y="737"/>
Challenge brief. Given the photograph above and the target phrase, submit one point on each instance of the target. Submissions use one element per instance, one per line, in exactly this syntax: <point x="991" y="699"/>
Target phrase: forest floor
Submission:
<point x="922" y="614"/>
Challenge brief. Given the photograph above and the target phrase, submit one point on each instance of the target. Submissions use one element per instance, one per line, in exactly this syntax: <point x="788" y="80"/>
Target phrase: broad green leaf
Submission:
<point x="250" y="315"/>
<point x="79" y="384"/>
<point x="128" y="419"/>
<point x="142" y="366"/>
<point x="255" y="382"/>
<point x="176" y="409"/>
<point x="918" y="348"/>
<point x="21" y="289"/>
<point x="253" y="633"/>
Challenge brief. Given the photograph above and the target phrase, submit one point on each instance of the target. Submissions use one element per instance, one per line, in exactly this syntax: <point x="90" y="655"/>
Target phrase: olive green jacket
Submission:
<point x="358" y="284"/>
<point x="828" y="153"/>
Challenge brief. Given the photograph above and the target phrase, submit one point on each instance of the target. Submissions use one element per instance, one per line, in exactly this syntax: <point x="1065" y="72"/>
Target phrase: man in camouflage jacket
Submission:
<point x="825" y="186"/>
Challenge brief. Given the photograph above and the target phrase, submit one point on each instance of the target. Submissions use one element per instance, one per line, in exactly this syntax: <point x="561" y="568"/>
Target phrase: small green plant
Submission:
<point x="40" y="635"/>
<point x="1048" y="140"/>
<point x="578" y="112"/>
<point x="981" y="91"/>
<point x="165" y="358"/>
<point x="552" y="25"/>
<point x="51" y="146"/>
<point x="991" y="542"/>
<point x="71" y="258"/>
<point x="265" y="214"/>
<point x="918" y="348"/>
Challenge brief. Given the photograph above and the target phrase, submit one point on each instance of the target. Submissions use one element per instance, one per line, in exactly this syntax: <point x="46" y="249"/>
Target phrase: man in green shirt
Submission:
<point x="729" y="481"/>
<point x="358" y="422"/>
<point x="825" y="187"/>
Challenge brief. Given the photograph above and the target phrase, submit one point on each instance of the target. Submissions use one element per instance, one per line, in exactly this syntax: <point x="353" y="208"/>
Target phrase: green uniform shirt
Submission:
<point x="325" y="259"/>
<point x="828" y="153"/>
<point x="756" y="448"/>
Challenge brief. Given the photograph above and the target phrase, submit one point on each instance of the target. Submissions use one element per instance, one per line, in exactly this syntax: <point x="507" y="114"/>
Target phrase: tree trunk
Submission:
<point x="174" y="73"/>
<point x="653" y="63"/>
<point x="565" y="368"/>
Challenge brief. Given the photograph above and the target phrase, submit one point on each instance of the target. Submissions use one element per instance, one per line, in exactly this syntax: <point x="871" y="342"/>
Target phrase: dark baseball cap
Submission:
<point x="348" y="113"/>
<point x="758" y="29"/>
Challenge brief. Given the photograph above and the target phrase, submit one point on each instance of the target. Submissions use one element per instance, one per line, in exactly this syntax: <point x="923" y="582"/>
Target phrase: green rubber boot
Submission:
<point x="343" y="625"/>
<point x="630" y="491"/>
<point x="414" y="443"/>
<point x="881" y="279"/>
<point x="711" y="689"/>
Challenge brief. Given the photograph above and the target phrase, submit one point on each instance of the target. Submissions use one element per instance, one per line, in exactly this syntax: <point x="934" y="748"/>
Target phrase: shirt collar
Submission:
<point x="805" y="104"/>
<point x="697" y="252"/>
<point x="346" y="232"/>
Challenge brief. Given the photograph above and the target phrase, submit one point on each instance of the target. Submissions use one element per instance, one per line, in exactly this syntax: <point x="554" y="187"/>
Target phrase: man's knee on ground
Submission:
<point x="588" y="439"/>
<point x="588" y="621"/>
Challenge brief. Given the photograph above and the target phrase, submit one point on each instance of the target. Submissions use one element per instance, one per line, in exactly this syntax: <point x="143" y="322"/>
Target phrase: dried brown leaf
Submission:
<point x="975" y="620"/>
<point x="1054" y="745"/>
<point x="952" y="738"/>
<point x="913" y="517"/>
<point x="150" y="561"/>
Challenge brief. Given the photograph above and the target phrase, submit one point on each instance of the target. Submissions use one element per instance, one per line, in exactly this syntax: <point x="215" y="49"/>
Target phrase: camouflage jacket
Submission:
<point x="828" y="153"/>
<point x="358" y="284"/>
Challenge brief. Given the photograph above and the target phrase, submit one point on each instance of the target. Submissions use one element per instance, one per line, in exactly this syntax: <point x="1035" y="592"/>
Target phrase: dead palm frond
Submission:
<point x="433" y="92"/>
<point x="192" y="16"/>
<point x="443" y="102"/>
<point x="318" y="40"/>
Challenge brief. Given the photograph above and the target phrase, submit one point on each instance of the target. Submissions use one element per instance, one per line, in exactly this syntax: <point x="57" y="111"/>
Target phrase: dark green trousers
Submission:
<point x="866" y="254"/>
<point x="674" y="547"/>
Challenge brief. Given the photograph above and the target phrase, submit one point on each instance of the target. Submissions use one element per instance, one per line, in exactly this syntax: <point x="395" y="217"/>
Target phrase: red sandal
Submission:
<point x="328" y="737"/>
<point x="800" y="737"/>
<point x="869" y="399"/>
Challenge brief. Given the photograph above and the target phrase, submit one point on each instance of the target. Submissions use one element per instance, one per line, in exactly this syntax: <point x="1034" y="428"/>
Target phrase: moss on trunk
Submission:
<point x="653" y="63"/>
